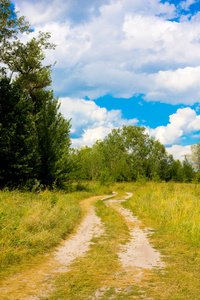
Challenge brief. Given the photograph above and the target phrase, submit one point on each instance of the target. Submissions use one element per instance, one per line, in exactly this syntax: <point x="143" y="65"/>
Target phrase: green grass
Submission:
<point x="162" y="206"/>
<point x="172" y="206"/>
<point x="174" y="211"/>
<point x="34" y="223"/>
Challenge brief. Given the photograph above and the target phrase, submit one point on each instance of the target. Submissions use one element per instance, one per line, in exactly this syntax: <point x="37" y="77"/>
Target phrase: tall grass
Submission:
<point x="173" y="210"/>
<point x="172" y="206"/>
<point x="33" y="223"/>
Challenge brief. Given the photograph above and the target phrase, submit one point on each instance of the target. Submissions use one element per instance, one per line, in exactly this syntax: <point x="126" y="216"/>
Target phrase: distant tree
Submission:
<point x="147" y="156"/>
<point x="115" y="156"/>
<point x="125" y="154"/>
<point x="81" y="163"/>
<point x="157" y="161"/>
<point x="178" y="172"/>
<point x="195" y="156"/>
<point x="188" y="169"/>
<point x="136" y="144"/>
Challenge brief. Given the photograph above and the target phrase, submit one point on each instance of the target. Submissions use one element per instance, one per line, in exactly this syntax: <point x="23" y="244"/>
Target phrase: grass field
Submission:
<point x="32" y="224"/>
<point x="174" y="211"/>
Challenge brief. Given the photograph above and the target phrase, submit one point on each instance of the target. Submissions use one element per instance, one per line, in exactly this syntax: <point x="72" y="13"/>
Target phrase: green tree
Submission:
<point x="136" y="143"/>
<point x="177" y="171"/>
<point x="195" y="156"/>
<point x="124" y="155"/>
<point x="81" y="163"/>
<point x="10" y="26"/>
<point x="18" y="138"/>
<point x="116" y="156"/>
<point x="188" y="170"/>
<point x="26" y="62"/>
<point x="157" y="161"/>
<point x="53" y="143"/>
<point x="51" y="131"/>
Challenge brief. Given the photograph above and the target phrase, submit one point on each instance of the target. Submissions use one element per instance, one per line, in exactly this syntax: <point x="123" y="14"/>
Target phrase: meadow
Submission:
<point x="173" y="210"/>
<point x="34" y="223"/>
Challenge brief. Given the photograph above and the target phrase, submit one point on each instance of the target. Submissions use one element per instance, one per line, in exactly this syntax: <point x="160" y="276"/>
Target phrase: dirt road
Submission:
<point x="136" y="257"/>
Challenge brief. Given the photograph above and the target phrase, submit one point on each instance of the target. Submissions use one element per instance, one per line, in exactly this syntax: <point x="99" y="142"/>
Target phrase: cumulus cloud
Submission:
<point x="186" y="4"/>
<point x="175" y="87"/>
<point x="184" y="121"/>
<point x="120" y="48"/>
<point x="38" y="12"/>
<point x="179" y="152"/>
<point x="90" y="136"/>
<point x="89" y="121"/>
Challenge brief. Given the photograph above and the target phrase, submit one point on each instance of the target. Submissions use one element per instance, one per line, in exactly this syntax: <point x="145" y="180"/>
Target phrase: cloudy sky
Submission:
<point x="132" y="62"/>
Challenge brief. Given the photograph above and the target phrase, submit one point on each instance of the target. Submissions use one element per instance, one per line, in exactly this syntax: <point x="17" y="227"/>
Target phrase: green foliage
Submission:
<point x="18" y="139"/>
<point x="10" y="26"/>
<point x="125" y="153"/>
<point x="26" y="60"/>
<point x="34" y="136"/>
<point x="195" y="156"/>
<point x="174" y="207"/>
<point x="188" y="170"/>
<point x="54" y="142"/>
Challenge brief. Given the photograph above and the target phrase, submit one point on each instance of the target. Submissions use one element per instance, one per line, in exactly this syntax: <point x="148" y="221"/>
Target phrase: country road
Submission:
<point x="136" y="257"/>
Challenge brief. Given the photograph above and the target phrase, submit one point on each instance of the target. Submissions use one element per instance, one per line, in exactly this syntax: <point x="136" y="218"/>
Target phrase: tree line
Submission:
<point x="35" y="137"/>
<point x="130" y="154"/>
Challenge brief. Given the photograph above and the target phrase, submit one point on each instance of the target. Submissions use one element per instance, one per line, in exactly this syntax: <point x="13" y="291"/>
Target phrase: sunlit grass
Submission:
<point x="172" y="206"/>
<point x="173" y="210"/>
<point x="34" y="223"/>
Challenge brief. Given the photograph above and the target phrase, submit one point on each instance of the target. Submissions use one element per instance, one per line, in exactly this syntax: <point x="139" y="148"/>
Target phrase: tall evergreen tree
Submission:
<point x="54" y="142"/>
<point x="18" y="138"/>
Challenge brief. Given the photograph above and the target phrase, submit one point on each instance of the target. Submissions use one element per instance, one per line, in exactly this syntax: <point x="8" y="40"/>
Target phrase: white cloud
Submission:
<point x="184" y="121"/>
<point x="195" y="124"/>
<point x="120" y="48"/>
<point x="38" y="12"/>
<point x="186" y="4"/>
<point x="90" y="121"/>
<point x="90" y="136"/>
<point x="178" y="151"/>
<point x="175" y="87"/>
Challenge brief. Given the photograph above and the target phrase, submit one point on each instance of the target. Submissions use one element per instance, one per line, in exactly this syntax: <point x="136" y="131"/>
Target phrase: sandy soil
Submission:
<point x="79" y="243"/>
<point x="138" y="252"/>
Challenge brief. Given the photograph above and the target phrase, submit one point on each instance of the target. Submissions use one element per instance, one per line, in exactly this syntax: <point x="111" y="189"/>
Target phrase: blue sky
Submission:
<point x="132" y="62"/>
